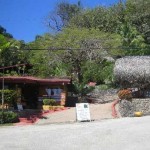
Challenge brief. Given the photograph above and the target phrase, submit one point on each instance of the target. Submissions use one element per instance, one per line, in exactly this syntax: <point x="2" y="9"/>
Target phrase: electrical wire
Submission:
<point x="93" y="48"/>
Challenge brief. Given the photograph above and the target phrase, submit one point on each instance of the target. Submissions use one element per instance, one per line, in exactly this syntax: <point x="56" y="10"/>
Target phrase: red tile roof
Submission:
<point x="31" y="79"/>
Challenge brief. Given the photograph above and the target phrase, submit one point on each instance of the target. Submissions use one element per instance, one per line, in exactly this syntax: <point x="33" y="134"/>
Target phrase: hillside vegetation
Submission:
<point x="86" y="42"/>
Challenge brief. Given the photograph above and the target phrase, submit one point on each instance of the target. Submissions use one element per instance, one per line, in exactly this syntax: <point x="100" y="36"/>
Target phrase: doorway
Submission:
<point x="30" y="96"/>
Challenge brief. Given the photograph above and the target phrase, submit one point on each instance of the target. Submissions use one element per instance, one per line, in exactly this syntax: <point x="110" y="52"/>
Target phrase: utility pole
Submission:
<point x="3" y="92"/>
<point x="2" y="119"/>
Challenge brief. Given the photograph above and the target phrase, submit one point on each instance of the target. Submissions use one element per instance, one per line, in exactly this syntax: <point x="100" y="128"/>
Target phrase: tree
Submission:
<point x="132" y="41"/>
<point x="12" y="48"/>
<point x="4" y="32"/>
<point x="88" y="46"/>
<point x="103" y="18"/>
<point x="76" y="47"/>
<point x="4" y="44"/>
<point x="137" y="11"/>
<point x="61" y="17"/>
<point x="15" y="53"/>
<point x="48" y="62"/>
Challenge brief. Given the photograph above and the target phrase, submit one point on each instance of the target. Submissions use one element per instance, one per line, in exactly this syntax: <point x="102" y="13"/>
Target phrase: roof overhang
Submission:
<point x="34" y="80"/>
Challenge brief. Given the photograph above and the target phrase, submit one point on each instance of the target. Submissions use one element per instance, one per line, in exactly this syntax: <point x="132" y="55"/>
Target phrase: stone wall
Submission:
<point x="102" y="96"/>
<point x="127" y="108"/>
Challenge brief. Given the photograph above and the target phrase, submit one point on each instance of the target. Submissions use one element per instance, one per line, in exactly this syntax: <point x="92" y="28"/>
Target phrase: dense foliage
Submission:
<point x="9" y="96"/>
<point x="8" y="117"/>
<point x="12" y="48"/>
<point x="87" y="44"/>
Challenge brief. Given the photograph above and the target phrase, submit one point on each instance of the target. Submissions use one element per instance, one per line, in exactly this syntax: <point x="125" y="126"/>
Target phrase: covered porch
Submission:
<point x="32" y="90"/>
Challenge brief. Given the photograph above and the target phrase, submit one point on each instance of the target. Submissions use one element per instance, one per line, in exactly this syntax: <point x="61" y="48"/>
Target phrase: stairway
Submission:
<point x="29" y="116"/>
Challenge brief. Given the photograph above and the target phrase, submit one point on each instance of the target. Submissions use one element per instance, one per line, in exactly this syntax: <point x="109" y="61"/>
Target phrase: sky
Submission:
<point x="25" y="19"/>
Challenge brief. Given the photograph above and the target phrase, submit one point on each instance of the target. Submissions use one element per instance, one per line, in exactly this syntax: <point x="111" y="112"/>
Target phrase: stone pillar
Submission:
<point x="63" y="98"/>
<point x="126" y="108"/>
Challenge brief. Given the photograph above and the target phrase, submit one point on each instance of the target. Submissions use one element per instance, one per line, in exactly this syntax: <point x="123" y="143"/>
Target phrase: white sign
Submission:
<point x="83" y="112"/>
<point x="19" y="107"/>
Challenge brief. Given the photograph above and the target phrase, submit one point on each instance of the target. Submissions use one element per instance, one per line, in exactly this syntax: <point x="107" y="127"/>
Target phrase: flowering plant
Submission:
<point x="125" y="94"/>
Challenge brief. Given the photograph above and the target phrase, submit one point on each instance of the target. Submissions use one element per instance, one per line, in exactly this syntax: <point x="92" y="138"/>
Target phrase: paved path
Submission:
<point x="112" y="134"/>
<point x="98" y="112"/>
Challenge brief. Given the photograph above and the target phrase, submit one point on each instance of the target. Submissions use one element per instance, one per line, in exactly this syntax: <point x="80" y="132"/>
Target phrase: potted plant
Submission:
<point x="125" y="94"/>
<point x="53" y="104"/>
<point x="50" y="104"/>
<point x="46" y="103"/>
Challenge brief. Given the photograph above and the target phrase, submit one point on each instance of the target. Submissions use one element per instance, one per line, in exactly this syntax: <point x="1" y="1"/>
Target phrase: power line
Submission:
<point x="93" y="48"/>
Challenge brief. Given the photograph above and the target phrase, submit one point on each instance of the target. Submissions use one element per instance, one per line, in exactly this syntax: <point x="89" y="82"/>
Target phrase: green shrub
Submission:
<point x="9" y="96"/>
<point x="8" y="117"/>
<point x="46" y="101"/>
<point x="51" y="102"/>
<point x="82" y="89"/>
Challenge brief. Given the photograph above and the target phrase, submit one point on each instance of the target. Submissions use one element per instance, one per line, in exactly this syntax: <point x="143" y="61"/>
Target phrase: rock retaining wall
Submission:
<point x="102" y="96"/>
<point x="127" y="108"/>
